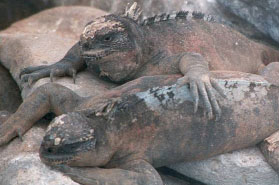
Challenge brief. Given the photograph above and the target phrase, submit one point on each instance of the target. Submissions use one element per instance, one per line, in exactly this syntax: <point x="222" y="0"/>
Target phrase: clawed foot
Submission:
<point x="8" y="131"/>
<point x="32" y="74"/>
<point x="202" y="85"/>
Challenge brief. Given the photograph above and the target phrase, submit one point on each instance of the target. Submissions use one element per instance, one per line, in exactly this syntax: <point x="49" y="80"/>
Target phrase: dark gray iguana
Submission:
<point x="122" y="48"/>
<point x="152" y="125"/>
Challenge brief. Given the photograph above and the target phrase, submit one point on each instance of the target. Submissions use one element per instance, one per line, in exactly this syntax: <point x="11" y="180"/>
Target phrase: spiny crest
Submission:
<point x="133" y="11"/>
<point x="176" y="16"/>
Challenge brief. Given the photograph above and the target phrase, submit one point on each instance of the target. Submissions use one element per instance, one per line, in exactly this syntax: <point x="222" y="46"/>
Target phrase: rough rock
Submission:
<point x="13" y="10"/>
<point x="245" y="167"/>
<point x="263" y="15"/>
<point x="10" y="97"/>
<point x="27" y="168"/>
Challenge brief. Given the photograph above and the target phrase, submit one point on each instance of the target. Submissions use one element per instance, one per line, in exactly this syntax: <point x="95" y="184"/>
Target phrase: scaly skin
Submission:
<point x="150" y="124"/>
<point x="121" y="48"/>
<point x="60" y="100"/>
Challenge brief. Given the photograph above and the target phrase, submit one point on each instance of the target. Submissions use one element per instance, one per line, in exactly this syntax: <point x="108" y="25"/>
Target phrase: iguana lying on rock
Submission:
<point x="122" y="48"/>
<point x="151" y="125"/>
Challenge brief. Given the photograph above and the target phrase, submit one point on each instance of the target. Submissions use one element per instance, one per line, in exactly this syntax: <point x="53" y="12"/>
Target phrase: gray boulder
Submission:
<point x="263" y="15"/>
<point x="245" y="167"/>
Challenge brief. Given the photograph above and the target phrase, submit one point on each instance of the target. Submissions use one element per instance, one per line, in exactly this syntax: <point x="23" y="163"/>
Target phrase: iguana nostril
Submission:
<point x="50" y="150"/>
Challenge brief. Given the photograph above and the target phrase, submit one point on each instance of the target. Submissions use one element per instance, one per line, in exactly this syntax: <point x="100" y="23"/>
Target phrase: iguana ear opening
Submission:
<point x="133" y="11"/>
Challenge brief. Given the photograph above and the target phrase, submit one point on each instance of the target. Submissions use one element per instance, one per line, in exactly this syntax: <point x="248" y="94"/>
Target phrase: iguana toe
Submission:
<point x="213" y="101"/>
<point x="194" y="92"/>
<point x="30" y="78"/>
<point x="217" y="87"/>
<point x="31" y="69"/>
<point x="204" y="96"/>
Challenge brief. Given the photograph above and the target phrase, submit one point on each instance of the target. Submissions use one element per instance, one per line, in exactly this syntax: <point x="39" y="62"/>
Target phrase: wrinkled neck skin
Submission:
<point x="107" y="143"/>
<point x="156" y="50"/>
<point x="144" y="50"/>
<point x="103" y="151"/>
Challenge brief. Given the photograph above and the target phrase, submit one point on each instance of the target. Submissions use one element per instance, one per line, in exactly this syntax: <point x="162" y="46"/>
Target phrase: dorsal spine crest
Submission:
<point x="176" y="16"/>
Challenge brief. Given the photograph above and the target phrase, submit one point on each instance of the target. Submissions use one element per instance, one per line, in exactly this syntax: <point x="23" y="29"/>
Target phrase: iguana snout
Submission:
<point x="66" y="139"/>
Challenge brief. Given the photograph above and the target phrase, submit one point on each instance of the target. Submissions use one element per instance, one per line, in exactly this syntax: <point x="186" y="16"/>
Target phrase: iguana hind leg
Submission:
<point x="47" y="98"/>
<point x="137" y="172"/>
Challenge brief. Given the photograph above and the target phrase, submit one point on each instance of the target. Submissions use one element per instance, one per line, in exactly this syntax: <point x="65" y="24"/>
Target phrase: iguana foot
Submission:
<point x="201" y="84"/>
<point x="196" y="72"/>
<point x="7" y="132"/>
<point x="32" y="74"/>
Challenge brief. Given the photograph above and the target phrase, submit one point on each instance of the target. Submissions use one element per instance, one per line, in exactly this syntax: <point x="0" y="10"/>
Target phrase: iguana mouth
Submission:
<point x="55" y="159"/>
<point x="95" y="55"/>
<point x="65" y="153"/>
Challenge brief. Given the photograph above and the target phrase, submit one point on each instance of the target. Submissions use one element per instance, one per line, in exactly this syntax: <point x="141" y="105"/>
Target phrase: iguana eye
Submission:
<point x="108" y="38"/>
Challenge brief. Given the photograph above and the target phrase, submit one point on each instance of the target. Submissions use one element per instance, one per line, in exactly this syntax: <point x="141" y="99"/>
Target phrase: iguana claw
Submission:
<point x="19" y="134"/>
<point x="32" y="74"/>
<point x="203" y="86"/>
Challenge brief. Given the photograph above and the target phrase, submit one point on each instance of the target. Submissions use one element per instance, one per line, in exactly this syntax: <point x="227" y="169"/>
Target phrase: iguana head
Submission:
<point x="71" y="139"/>
<point x="112" y="44"/>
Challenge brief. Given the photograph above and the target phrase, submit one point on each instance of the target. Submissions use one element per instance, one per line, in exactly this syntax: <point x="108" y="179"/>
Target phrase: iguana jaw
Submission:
<point x="64" y="153"/>
<point x="115" y="65"/>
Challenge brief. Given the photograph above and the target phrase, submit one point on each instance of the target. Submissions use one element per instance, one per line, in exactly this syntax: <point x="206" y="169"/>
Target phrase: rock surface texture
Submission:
<point x="263" y="15"/>
<point x="46" y="37"/>
<point x="245" y="167"/>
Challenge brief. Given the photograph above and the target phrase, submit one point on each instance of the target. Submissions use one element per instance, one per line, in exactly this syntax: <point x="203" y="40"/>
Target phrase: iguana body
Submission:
<point x="154" y="126"/>
<point x="121" y="48"/>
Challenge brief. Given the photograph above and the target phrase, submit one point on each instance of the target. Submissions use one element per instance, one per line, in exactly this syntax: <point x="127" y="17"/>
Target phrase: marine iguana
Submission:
<point x="122" y="48"/>
<point x="154" y="126"/>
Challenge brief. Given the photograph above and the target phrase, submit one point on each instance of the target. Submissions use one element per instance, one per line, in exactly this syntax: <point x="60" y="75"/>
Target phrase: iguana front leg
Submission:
<point x="137" y="172"/>
<point x="196" y="73"/>
<point x="69" y="65"/>
<point x="47" y="98"/>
